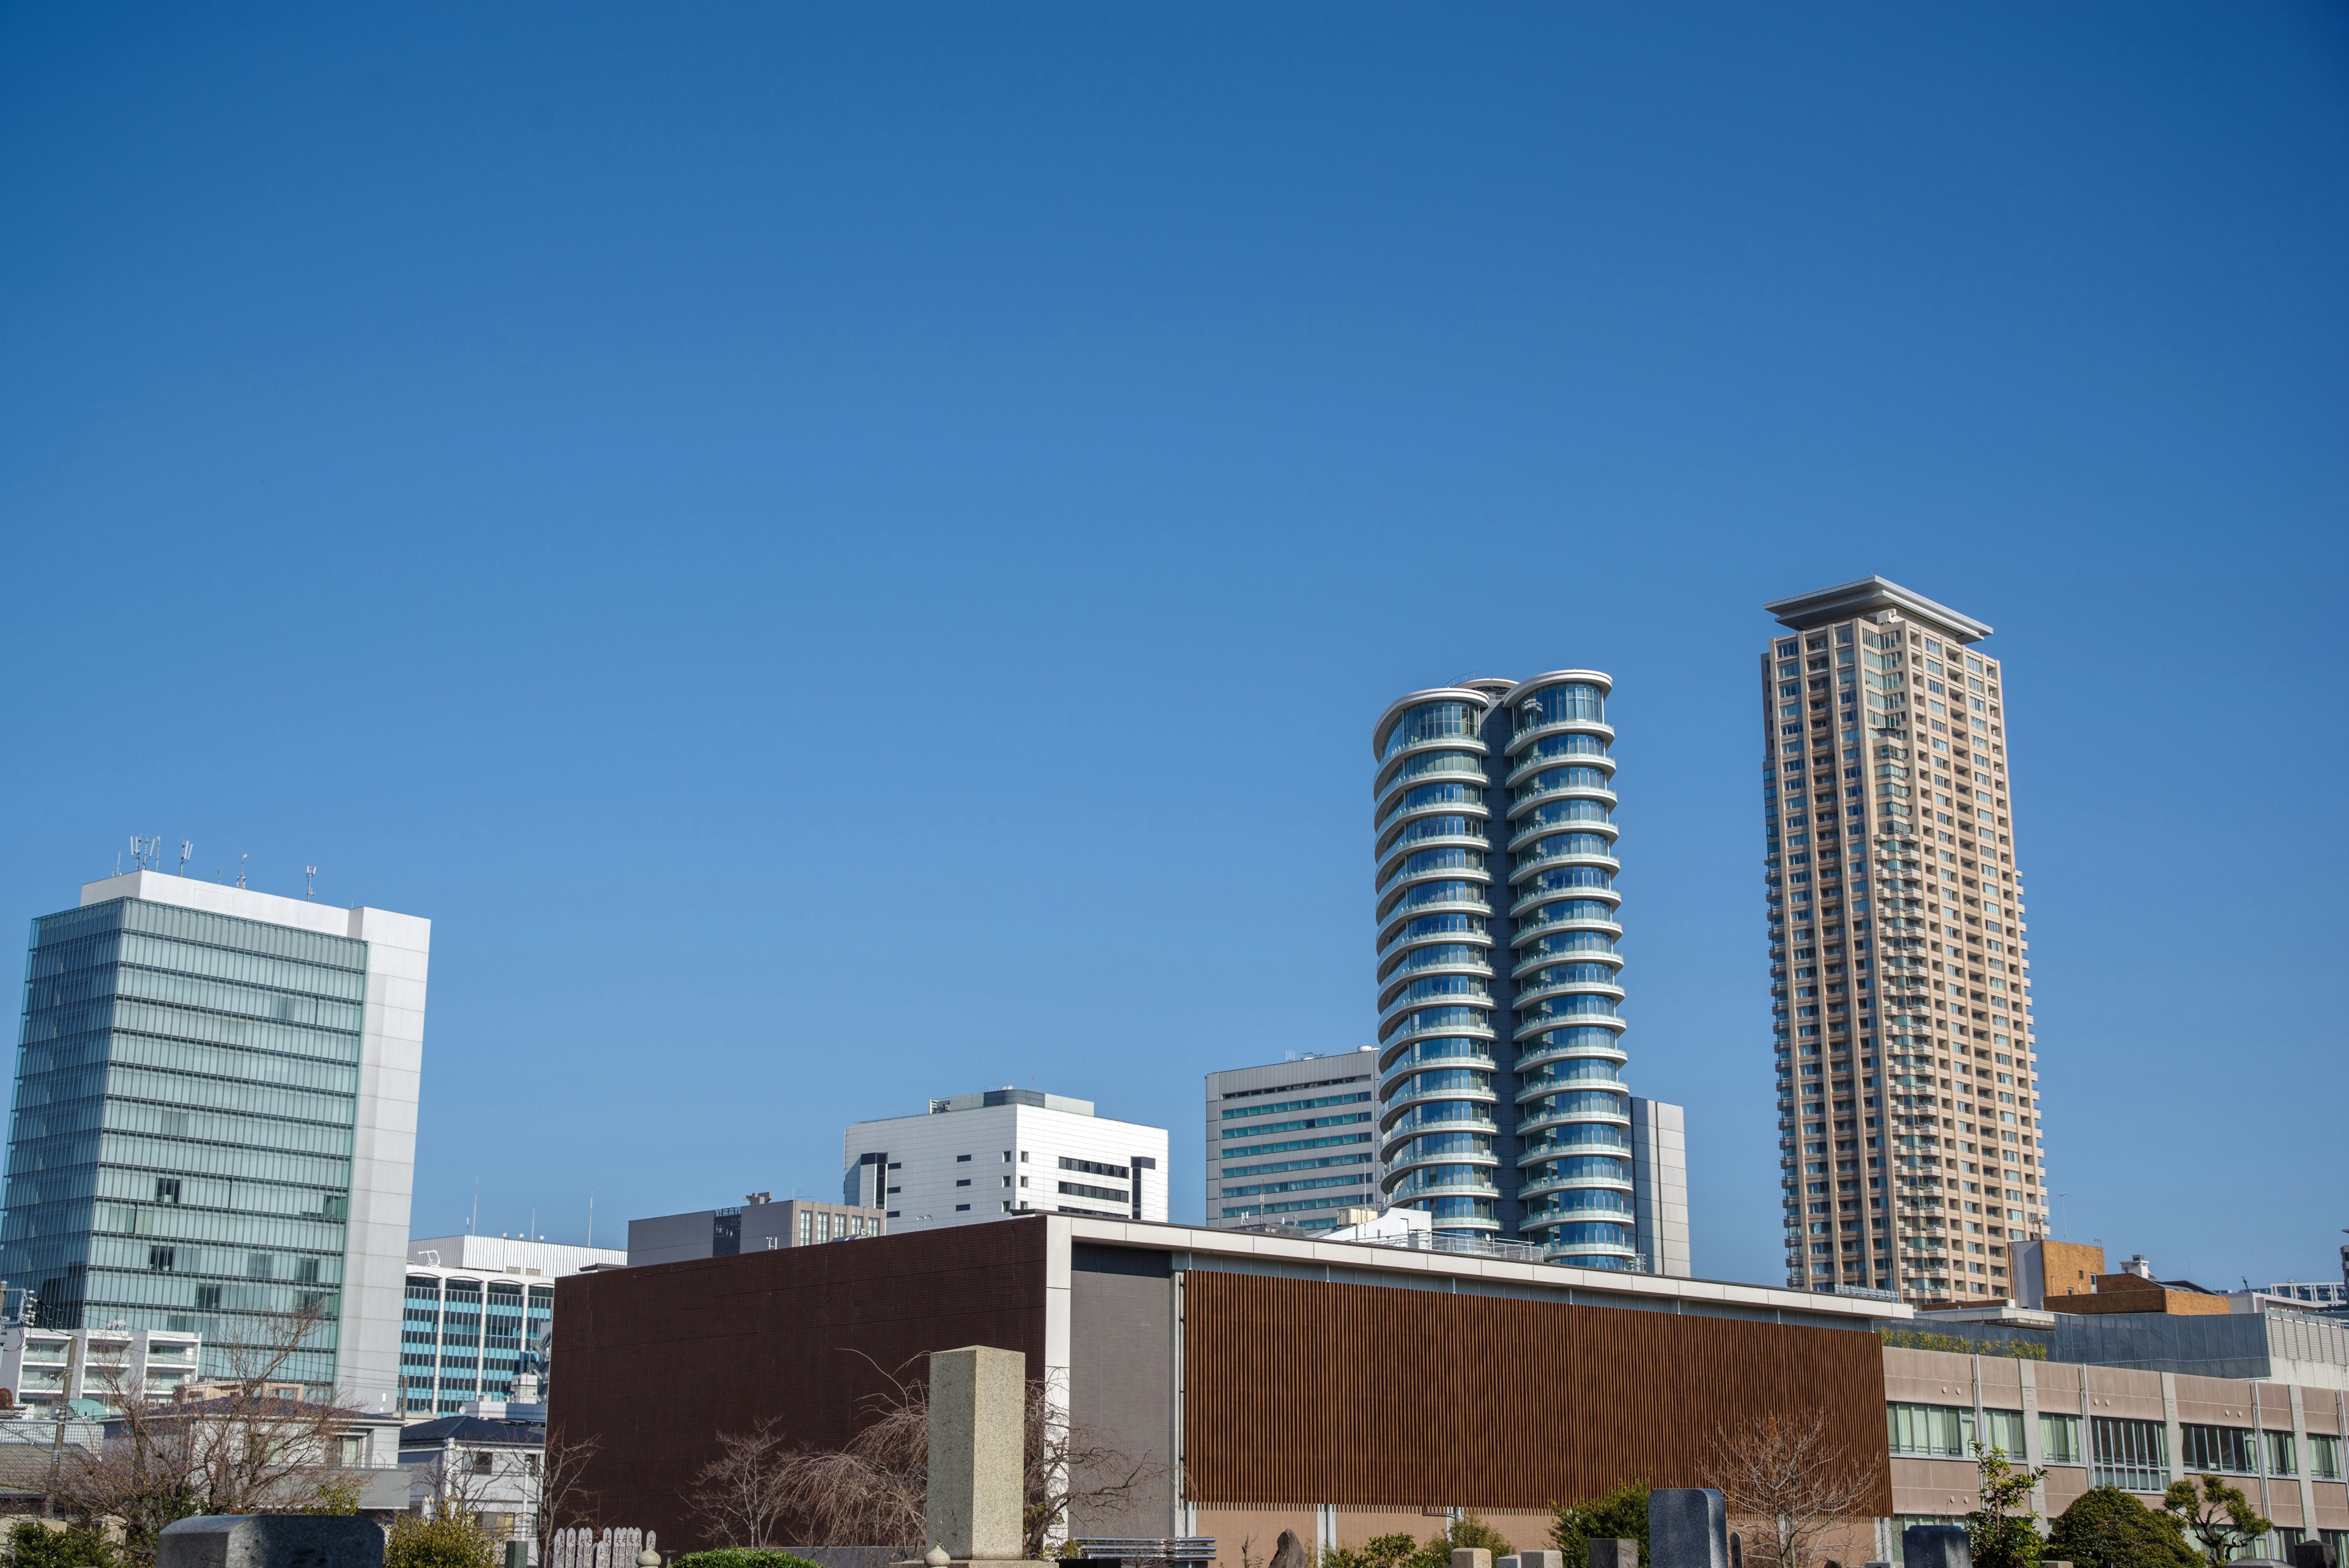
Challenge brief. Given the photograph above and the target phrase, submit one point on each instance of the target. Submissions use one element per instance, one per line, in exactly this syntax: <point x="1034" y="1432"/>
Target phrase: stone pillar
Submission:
<point x="1936" y="1546"/>
<point x="1547" y="1558"/>
<point x="1471" y="1557"/>
<point x="978" y="1428"/>
<point x="1614" y="1554"/>
<point x="1688" y="1527"/>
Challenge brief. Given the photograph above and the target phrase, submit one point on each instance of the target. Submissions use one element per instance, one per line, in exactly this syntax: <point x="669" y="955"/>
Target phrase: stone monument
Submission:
<point x="1936" y="1546"/>
<point x="271" y="1540"/>
<point x="1688" y="1527"/>
<point x="978" y="1441"/>
<point x="1614" y="1554"/>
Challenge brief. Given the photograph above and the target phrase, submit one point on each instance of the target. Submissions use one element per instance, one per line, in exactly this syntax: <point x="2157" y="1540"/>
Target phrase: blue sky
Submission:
<point x="849" y="554"/>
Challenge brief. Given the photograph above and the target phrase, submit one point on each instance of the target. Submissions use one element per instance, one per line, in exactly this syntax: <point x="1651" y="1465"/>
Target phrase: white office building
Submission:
<point x="215" y="1122"/>
<point x="1004" y="1151"/>
<point x="476" y="1312"/>
<point x="1291" y="1143"/>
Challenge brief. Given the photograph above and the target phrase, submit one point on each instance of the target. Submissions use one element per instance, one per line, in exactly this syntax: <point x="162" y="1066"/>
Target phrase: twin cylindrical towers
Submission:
<point x="1502" y="1107"/>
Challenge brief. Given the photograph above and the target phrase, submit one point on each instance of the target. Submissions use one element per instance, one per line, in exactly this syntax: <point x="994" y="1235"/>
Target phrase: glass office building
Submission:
<point x="207" y="1091"/>
<point x="464" y="1336"/>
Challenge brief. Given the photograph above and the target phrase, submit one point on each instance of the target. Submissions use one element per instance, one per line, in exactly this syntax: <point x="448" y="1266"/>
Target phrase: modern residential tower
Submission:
<point x="1910" y="1150"/>
<point x="1501" y="1108"/>
<point x="215" y="1123"/>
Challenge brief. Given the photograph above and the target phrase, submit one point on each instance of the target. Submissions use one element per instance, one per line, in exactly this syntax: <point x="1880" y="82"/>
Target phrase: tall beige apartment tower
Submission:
<point x="1910" y="1139"/>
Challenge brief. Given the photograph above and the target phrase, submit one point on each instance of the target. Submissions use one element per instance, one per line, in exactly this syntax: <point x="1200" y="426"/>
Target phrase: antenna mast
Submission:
<point x="309" y="881"/>
<point x="187" y="848"/>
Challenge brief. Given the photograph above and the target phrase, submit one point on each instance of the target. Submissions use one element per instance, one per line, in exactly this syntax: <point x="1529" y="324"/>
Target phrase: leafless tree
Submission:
<point x="1790" y="1480"/>
<point x="738" y="1496"/>
<point x="248" y="1442"/>
<point x="873" y="1491"/>
<point x="556" y="1489"/>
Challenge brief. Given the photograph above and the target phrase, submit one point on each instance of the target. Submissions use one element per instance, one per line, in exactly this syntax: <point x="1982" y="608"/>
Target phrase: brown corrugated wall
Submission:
<point x="1300" y="1391"/>
<point x="655" y="1363"/>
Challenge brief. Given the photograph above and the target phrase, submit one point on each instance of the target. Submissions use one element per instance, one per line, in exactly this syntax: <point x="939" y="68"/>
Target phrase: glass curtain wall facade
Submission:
<point x="181" y="1155"/>
<point x="1911" y="1155"/>
<point x="1502" y="1111"/>
<point x="464" y="1337"/>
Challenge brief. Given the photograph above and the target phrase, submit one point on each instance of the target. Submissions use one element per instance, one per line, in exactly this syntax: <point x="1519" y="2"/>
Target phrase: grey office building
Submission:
<point x="1291" y="1143"/>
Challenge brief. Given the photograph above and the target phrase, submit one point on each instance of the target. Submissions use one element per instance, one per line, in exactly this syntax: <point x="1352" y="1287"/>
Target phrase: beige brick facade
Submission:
<point x="1911" y="1155"/>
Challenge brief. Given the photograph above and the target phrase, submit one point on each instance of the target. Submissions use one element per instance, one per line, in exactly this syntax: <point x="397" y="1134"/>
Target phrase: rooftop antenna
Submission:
<point x="475" y="1222"/>
<point x="187" y="848"/>
<point x="309" y="881"/>
<point x="240" y="869"/>
<point x="591" y="1216"/>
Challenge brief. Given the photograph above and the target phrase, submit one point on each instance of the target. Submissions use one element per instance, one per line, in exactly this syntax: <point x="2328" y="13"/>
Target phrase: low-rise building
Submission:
<point x="1004" y="1151"/>
<point x="759" y="1224"/>
<point x="44" y="1369"/>
<point x="486" y="1465"/>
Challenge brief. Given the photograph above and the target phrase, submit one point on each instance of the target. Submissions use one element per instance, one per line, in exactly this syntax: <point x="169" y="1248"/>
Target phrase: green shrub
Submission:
<point x="443" y="1540"/>
<point x="1919" y="1339"/>
<point x="1620" y="1515"/>
<point x="2107" y="1528"/>
<point x="740" y="1557"/>
<point x="37" y="1546"/>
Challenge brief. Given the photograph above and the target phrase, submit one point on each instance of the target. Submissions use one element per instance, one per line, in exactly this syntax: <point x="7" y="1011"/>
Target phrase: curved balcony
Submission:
<point x="1426" y="991"/>
<point x="1472" y="1118"/>
<point x="1523" y="834"/>
<point x="1447" y="1052"/>
<point x="1572" y="920"/>
<point x="1599" y="1103"/>
<point x="1541" y="1182"/>
<point x="1465" y="856"/>
<point x="1531" y="1024"/>
<point x="1532" y="1057"/>
<point x="1437" y="826"/>
<point x="1421" y="1093"/>
<point x="1534" y="991"/>
<point x="1554" y="948"/>
<point x="1583" y="1071"/>
<point x="1400" y="1158"/>
<point x="1428" y="767"/>
<point x="1554" y="883"/>
<point x="1609" y="1134"/>
<point x="1521" y="739"/>
<point x="1556" y="751"/>
<point x="1417" y="796"/>
<point x="1433" y="956"/>
<point x="1467" y="894"/>
<point x="1528" y="865"/>
<point x="1439" y="1019"/>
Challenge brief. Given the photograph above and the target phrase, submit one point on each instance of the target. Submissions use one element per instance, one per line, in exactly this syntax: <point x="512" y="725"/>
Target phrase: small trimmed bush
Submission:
<point x="742" y="1557"/>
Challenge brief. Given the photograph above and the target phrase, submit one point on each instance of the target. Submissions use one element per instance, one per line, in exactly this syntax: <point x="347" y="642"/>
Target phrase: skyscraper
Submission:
<point x="1502" y="1107"/>
<point x="215" y="1122"/>
<point x="1911" y="1155"/>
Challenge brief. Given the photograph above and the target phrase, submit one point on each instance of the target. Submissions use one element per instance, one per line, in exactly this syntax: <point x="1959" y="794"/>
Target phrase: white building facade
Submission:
<point x="44" y="1369"/>
<point x="215" y="1122"/>
<point x="1004" y="1151"/>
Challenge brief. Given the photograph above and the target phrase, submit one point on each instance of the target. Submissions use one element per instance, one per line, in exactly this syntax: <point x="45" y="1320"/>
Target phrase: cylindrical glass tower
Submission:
<point x="1502" y="1105"/>
<point x="1573" y="1111"/>
<point x="1439" y="875"/>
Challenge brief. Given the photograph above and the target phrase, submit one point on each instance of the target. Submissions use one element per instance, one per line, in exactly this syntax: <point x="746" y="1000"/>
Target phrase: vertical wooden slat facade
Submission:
<point x="655" y="1363"/>
<point x="1303" y="1391"/>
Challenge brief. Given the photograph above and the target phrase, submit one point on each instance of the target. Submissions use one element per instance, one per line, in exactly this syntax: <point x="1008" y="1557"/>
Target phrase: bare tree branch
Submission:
<point x="1790" y="1480"/>
<point x="249" y="1442"/>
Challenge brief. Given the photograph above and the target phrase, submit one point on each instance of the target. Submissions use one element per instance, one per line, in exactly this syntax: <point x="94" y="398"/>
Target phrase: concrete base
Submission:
<point x="271" y="1540"/>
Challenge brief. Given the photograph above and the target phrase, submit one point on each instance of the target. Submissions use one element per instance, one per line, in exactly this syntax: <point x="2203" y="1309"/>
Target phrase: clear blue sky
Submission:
<point x="849" y="554"/>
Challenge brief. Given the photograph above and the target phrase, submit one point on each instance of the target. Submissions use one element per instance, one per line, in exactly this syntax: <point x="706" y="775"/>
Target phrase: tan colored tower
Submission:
<point x="1911" y="1153"/>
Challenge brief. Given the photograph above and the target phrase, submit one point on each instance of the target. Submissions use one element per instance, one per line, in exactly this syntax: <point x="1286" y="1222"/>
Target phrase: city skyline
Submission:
<point x="676" y="498"/>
